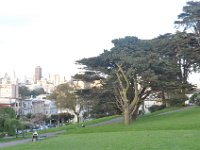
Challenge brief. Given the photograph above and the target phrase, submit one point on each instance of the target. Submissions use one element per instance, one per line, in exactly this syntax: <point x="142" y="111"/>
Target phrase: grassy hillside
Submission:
<point x="166" y="130"/>
<point x="187" y="118"/>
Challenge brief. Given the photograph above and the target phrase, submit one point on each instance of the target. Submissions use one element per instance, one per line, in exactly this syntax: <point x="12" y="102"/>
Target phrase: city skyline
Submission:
<point x="35" y="77"/>
<point x="54" y="34"/>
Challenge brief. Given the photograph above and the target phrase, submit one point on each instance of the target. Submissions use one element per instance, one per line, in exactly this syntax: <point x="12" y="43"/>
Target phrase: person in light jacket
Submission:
<point x="35" y="136"/>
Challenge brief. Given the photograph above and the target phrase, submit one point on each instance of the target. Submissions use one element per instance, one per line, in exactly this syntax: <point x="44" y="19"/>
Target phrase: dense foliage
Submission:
<point x="8" y="121"/>
<point x="24" y="92"/>
<point x="195" y="99"/>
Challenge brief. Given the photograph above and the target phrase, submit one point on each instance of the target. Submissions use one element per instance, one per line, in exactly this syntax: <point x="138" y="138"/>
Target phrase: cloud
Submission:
<point x="55" y="33"/>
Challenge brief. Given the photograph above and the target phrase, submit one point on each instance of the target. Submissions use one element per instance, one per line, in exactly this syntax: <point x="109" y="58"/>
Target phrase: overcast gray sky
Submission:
<point x="55" y="33"/>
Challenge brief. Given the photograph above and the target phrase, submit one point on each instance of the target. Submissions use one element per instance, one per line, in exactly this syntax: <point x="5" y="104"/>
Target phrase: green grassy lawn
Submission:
<point x="163" y="130"/>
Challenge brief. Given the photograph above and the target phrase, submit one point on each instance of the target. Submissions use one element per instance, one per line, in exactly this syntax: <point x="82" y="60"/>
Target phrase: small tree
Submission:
<point x="38" y="118"/>
<point x="6" y="114"/>
<point x="11" y="126"/>
<point x="66" y="98"/>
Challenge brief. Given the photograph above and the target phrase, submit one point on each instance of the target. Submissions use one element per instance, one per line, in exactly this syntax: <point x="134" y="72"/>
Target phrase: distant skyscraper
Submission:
<point x="38" y="73"/>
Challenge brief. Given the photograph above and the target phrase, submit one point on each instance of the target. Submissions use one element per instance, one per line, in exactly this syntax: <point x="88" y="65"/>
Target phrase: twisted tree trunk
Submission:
<point x="129" y="107"/>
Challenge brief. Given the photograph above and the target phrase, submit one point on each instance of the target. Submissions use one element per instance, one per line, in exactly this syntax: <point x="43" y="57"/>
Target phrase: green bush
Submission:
<point x="2" y="120"/>
<point x="154" y="108"/>
<point x="2" y="134"/>
<point x="176" y="99"/>
<point x="195" y="98"/>
<point x="11" y="125"/>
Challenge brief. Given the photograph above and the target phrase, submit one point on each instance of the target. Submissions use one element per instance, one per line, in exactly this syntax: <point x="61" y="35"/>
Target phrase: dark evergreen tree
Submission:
<point x="131" y="63"/>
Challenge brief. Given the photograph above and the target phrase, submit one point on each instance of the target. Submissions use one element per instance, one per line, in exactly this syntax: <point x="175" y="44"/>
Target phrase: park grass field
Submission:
<point x="163" y="130"/>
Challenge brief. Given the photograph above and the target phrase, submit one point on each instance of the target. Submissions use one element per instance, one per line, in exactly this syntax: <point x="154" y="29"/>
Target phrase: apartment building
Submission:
<point x="9" y="92"/>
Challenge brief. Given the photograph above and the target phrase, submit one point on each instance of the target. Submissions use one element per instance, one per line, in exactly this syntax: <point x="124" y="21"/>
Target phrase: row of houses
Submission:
<point x="30" y="106"/>
<point x="35" y="106"/>
<point x="9" y="97"/>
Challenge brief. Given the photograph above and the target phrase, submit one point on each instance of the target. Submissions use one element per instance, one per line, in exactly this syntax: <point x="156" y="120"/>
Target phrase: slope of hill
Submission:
<point x="166" y="130"/>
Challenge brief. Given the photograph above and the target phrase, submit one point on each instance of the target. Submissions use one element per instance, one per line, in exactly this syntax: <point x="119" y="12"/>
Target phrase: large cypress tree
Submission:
<point x="133" y="64"/>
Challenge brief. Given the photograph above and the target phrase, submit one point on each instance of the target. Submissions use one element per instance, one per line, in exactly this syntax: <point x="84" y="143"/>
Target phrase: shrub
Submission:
<point x="195" y="98"/>
<point x="2" y="120"/>
<point x="11" y="125"/>
<point x="176" y="99"/>
<point x="2" y="134"/>
<point x="154" y="108"/>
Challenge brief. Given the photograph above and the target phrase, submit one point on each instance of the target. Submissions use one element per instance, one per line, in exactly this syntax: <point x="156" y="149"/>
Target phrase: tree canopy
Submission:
<point x="8" y="121"/>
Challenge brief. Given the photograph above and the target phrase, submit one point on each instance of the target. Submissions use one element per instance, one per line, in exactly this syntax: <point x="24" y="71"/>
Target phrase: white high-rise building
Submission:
<point x="9" y="92"/>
